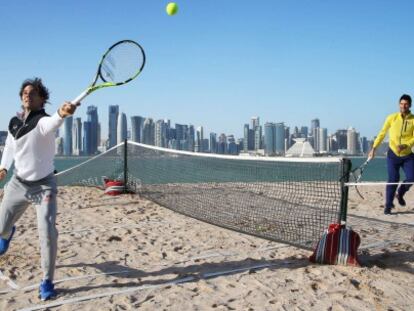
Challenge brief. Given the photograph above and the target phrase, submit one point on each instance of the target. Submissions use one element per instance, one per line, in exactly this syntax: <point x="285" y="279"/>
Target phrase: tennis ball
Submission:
<point x="172" y="8"/>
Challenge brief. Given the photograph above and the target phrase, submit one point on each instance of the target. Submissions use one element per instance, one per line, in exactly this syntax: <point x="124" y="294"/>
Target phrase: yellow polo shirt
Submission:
<point x="401" y="132"/>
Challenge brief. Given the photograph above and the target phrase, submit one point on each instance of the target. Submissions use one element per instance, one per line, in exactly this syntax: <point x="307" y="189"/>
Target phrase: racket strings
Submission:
<point x="123" y="62"/>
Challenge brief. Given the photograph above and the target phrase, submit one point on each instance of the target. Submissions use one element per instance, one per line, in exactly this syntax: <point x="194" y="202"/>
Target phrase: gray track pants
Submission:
<point x="17" y="197"/>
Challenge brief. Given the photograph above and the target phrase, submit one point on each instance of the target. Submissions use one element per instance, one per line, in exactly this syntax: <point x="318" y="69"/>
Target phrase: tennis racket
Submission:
<point x="356" y="174"/>
<point x="120" y="64"/>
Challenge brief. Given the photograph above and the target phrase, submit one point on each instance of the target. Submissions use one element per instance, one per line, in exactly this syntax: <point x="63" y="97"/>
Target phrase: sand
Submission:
<point x="127" y="253"/>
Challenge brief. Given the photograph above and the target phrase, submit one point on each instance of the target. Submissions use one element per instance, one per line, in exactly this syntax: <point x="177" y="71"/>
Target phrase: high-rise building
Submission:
<point x="270" y="138"/>
<point x="257" y="130"/>
<point x="87" y="138"/>
<point x="113" y="125"/>
<point x="246" y="133"/>
<point x="332" y="145"/>
<point x="304" y="131"/>
<point x="59" y="146"/>
<point x="280" y="138"/>
<point x="364" y="145"/>
<point x="199" y="140"/>
<point x="148" y="132"/>
<point x="254" y="121"/>
<point x="222" y="144"/>
<point x="341" y="139"/>
<point x="3" y="137"/>
<point x="258" y="137"/>
<point x="213" y="142"/>
<point x="248" y="138"/>
<point x="67" y="139"/>
<point x="180" y="135"/>
<point x="137" y="124"/>
<point x="92" y="117"/>
<point x="205" y="145"/>
<point x="190" y="138"/>
<point x="161" y="133"/>
<point x="77" y="136"/>
<point x="122" y="128"/>
<point x="323" y="139"/>
<point x="352" y="139"/>
<point x="315" y="124"/>
<point x="288" y="141"/>
<point x="231" y="145"/>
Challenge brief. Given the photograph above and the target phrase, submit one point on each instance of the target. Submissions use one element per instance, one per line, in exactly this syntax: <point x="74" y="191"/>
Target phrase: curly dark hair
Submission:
<point x="38" y="86"/>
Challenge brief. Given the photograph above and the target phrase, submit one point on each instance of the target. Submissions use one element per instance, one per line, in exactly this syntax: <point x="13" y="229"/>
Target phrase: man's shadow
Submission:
<point x="177" y="273"/>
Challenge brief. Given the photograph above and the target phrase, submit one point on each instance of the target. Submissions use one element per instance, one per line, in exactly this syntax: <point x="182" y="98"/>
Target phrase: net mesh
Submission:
<point x="288" y="201"/>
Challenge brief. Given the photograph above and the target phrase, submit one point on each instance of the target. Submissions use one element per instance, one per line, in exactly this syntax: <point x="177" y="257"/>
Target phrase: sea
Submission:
<point x="375" y="171"/>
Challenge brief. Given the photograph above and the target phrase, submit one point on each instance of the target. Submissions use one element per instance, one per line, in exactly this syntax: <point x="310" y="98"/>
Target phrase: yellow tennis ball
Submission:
<point x="172" y="8"/>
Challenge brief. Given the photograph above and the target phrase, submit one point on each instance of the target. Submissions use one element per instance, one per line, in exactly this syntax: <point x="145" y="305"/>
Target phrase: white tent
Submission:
<point x="301" y="148"/>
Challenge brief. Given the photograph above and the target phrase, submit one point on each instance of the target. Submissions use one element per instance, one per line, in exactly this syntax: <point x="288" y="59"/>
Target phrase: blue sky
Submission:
<point x="219" y="62"/>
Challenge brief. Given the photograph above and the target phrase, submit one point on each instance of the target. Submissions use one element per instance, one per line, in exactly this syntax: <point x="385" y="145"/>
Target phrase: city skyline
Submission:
<point x="270" y="138"/>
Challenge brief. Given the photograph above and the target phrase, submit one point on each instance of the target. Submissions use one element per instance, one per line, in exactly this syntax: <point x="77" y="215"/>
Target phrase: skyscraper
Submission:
<point x="323" y="139"/>
<point x="67" y="139"/>
<point x="92" y="117"/>
<point x="122" y="128"/>
<point x="257" y="137"/>
<point x="148" y="132"/>
<point x="113" y="125"/>
<point x="231" y="146"/>
<point x="199" y="140"/>
<point x="222" y="144"/>
<point x="87" y="138"/>
<point x="270" y="139"/>
<point x="341" y="139"/>
<point x="280" y="138"/>
<point x="315" y="124"/>
<point x="77" y="136"/>
<point x="255" y="122"/>
<point x="190" y="138"/>
<point x="161" y="133"/>
<point x="304" y="131"/>
<point x="246" y="137"/>
<point x="352" y="139"/>
<point x="137" y="123"/>
<point x="213" y="142"/>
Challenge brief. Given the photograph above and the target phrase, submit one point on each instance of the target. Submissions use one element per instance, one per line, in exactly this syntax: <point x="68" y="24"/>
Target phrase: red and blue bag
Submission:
<point x="338" y="246"/>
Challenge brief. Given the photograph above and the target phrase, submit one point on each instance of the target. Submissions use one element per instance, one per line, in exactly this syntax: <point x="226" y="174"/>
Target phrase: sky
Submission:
<point x="217" y="63"/>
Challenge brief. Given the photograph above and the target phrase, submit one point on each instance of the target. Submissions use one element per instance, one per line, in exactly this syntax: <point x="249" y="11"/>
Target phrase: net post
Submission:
<point x="345" y="170"/>
<point x="125" y="166"/>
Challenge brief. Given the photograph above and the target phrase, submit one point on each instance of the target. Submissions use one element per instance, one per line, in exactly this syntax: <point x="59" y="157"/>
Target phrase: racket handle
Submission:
<point x="78" y="99"/>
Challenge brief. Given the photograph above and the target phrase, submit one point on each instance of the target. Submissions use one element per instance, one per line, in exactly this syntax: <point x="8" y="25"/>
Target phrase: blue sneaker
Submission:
<point x="47" y="290"/>
<point x="4" y="243"/>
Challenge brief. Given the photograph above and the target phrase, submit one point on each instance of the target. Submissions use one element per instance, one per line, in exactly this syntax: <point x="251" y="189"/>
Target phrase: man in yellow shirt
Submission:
<point x="400" y="127"/>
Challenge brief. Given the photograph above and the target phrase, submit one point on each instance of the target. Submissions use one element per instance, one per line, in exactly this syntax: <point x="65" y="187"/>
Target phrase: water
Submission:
<point x="375" y="171"/>
<point x="61" y="164"/>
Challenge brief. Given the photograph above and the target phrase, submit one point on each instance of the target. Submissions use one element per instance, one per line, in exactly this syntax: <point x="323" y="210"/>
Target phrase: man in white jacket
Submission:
<point x="30" y="144"/>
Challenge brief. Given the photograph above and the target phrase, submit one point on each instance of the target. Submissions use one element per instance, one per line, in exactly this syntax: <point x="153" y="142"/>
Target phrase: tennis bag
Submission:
<point x="113" y="187"/>
<point x="338" y="246"/>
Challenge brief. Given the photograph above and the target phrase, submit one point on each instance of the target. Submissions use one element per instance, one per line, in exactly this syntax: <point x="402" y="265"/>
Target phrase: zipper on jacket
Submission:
<point x="18" y="131"/>
<point x="402" y="127"/>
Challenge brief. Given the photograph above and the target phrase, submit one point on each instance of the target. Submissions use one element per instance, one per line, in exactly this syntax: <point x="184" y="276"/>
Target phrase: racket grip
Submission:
<point x="78" y="99"/>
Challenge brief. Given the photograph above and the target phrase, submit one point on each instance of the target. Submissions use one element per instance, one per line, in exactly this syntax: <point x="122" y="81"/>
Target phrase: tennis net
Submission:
<point x="290" y="200"/>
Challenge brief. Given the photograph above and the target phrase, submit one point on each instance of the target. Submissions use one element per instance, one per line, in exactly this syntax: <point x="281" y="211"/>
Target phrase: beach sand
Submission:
<point x="127" y="253"/>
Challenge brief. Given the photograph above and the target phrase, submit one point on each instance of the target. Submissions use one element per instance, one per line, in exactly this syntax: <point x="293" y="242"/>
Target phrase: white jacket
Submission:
<point x="30" y="144"/>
